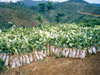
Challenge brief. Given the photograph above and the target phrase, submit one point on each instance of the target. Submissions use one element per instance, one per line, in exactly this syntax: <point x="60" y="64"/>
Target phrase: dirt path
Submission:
<point x="88" y="14"/>
<point x="61" y="66"/>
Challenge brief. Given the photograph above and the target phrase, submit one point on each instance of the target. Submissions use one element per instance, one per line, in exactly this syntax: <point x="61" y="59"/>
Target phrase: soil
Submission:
<point x="60" y="66"/>
<point x="86" y="13"/>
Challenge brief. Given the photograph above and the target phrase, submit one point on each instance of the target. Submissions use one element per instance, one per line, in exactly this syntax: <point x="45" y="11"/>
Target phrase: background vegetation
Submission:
<point x="25" y="16"/>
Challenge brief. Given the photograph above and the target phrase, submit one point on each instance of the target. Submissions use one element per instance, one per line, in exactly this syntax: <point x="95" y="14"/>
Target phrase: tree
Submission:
<point x="4" y="24"/>
<point x="32" y="7"/>
<point x="42" y="7"/>
<point x="40" y="19"/>
<point x="49" y="7"/>
<point x="58" y="17"/>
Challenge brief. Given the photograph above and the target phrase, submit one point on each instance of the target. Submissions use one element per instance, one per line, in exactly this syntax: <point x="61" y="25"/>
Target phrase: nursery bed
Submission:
<point x="21" y="46"/>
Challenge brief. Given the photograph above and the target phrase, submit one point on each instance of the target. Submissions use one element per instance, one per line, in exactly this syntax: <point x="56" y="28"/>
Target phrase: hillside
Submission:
<point x="96" y="4"/>
<point x="78" y="1"/>
<point x="21" y="15"/>
<point x="70" y="10"/>
<point x="17" y="14"/>
<point x="33" y="2"/>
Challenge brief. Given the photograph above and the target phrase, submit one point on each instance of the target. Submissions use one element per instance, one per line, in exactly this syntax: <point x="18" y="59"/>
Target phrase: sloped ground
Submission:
<point x="61" y="66"/>
<point x="88" y="14"/>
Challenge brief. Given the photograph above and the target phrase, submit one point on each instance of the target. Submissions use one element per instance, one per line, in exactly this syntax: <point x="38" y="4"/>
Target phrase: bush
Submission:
<point x="90" y="22"/>
<point x="4" y="24"/>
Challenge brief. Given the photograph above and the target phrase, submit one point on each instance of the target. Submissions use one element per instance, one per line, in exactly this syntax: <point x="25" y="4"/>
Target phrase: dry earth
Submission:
<point x="61" y="66"/>
<point x="88" y="14"/>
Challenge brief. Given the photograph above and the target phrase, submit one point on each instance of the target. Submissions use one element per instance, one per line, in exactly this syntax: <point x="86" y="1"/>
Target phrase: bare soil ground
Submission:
<point x="61" y="66"/>
<point x="86" y="13"/>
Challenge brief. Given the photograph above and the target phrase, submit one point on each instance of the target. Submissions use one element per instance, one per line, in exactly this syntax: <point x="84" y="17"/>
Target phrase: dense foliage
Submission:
<point x="1" y="65"/>
<point x="90" y="22"/>
<point x="22" y="40"/>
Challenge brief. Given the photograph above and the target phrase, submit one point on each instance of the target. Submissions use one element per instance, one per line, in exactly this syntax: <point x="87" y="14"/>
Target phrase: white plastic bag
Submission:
<point x="78" y="54"/>
<point x="27" y="59"/>
<point x="94" y="50"/>
<point x="37" y="56"/>
<point x="45" y="52"/>
<point x="64" y="52"/>
<point x="21" y="60"/>
<point x="7" y="61"/>
<point x="13" y="64"/>
<point x="70" y="52"/>
<point x="67" y="53"/>
<point x="31" y="57"/>
<point x="74" y="53"/>
<point x="55" y="51"/>
<point x="52" y="50"/>
<point x="90" y="50"/>
<point x="83" y="54"/>
<point x="41" y="57"/>
<point x="44" y="55"/>
<point x="24" y="59"/>
<point x="4" y="57"/>
<point x="17" y="62"/>
<point x="59" y="51"/>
